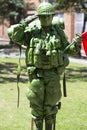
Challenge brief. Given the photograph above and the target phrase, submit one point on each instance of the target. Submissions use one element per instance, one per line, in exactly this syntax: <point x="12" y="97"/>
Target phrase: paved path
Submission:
<point x="4" y="43"/>
<point x="78" y="60"/>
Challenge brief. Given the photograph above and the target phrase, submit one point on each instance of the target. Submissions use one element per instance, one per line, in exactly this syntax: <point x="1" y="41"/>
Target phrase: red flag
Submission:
<point x="84" y="40"/>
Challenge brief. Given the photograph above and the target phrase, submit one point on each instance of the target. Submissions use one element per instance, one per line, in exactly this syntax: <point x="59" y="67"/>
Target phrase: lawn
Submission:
<point x="71" y="116"/>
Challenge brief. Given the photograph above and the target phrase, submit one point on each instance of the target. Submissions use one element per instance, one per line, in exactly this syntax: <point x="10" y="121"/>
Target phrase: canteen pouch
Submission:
<point x="54" y="59"/>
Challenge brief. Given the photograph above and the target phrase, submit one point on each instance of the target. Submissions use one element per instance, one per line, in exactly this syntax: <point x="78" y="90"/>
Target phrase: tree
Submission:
<point x="78" y="6"/>
<point x="12" y="10"/>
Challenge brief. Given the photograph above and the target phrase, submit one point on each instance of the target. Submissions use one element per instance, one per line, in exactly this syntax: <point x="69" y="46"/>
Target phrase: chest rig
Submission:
<point x="45" y="49"/>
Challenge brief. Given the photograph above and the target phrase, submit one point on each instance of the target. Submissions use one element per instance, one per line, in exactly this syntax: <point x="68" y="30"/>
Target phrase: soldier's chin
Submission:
<point x="46" y="25"/>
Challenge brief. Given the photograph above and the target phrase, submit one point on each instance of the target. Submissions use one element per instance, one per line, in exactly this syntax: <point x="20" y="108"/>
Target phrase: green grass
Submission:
<point x="73" y="113"/>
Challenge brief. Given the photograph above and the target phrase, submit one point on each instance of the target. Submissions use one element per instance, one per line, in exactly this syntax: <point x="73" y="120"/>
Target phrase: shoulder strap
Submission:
<point x="62" y="35"/>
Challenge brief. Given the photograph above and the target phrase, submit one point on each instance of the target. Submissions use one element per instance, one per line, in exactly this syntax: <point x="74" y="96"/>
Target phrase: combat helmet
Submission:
<point x="45" y="8"/>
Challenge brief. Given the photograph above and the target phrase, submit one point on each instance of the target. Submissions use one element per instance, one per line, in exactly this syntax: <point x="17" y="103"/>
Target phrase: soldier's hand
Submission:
<point x="77" y="40"/>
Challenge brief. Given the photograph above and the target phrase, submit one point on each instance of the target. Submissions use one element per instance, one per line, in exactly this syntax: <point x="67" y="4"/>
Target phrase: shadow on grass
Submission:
<point x="8" y="73"/>
<point x="76" y="74"/>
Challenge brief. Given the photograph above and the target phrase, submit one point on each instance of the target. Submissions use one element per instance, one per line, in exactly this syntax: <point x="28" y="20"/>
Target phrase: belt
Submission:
<point x="51" y="69"/>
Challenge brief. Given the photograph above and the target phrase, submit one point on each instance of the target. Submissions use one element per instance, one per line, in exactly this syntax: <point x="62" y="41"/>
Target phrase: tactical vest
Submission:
<point x="45" y="50"/>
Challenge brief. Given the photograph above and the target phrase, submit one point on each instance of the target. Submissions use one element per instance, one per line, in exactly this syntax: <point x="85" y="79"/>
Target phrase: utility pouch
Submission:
<point x="54" y="61"/>
<point x="37" y="60"/>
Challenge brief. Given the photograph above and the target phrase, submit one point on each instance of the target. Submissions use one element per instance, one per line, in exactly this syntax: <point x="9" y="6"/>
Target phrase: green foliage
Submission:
<point x="12" y="8"/>
<point x="65" y="5"/>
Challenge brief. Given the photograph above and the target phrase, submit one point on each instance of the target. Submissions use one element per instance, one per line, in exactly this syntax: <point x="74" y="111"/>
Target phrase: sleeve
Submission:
<point x="18" y="35"/>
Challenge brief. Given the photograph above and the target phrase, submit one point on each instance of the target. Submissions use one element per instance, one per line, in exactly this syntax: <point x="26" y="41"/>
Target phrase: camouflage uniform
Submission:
<point x="45" y="62"/>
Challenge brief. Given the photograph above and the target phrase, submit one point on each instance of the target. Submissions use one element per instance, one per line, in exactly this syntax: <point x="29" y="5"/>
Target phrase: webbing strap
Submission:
<point x="64" y="85"/>
<point x="18" y="77"/>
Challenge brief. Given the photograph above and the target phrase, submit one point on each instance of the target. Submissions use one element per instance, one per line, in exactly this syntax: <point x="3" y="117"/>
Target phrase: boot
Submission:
<point x="39" y="125"/>
<point x="48" y="126"/>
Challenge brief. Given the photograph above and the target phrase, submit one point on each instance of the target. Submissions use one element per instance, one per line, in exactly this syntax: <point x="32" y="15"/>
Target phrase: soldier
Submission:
<point x="45" y="62"/>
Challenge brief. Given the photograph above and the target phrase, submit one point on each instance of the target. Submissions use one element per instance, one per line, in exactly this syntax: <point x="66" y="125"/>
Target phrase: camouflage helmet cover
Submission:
<point x="45" y="8"/>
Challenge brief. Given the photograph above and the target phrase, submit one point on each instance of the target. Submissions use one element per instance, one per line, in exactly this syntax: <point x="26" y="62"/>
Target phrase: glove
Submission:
<point x="77" y="40"/>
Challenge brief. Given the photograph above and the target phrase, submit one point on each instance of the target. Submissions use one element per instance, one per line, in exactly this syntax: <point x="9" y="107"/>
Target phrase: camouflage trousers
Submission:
<point x="44" y="92"/>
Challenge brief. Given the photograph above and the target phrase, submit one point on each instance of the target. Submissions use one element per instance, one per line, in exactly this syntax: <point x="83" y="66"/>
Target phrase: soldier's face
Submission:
<point x="46" y="20"/>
